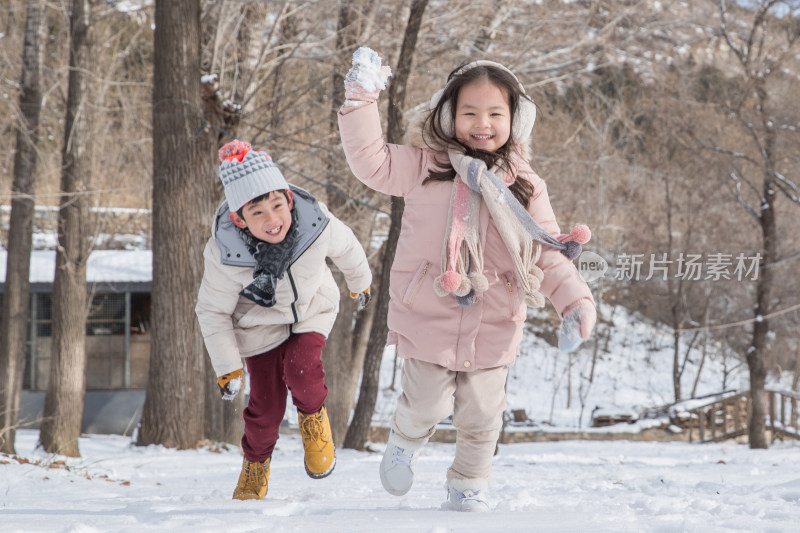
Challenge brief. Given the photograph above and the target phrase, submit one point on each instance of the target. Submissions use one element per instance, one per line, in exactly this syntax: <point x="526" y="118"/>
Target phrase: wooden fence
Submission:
<point x="727" y="418"/>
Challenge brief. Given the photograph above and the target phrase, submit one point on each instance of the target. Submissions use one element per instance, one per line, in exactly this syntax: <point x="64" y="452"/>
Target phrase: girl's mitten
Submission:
<point x="577" y="325"/>
<point x="366" y="78"/>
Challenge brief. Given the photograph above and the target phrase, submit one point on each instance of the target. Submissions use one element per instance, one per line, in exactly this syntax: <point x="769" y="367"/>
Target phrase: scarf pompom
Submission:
<point x="450" y="280"/>
<point x="581" y="234"/>
<point x="438" y="289"/>
<point x="479" y="281"/>
<point x="572" y="249"/>
<point x="466" y="300"/>
<point x="464" y="288"/>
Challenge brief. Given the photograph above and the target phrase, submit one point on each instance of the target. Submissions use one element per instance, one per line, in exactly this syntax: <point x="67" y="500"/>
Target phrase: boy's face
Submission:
<point x="268" y="219"/>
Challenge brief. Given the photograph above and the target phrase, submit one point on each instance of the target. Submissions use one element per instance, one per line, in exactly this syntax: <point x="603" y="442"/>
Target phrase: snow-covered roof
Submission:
<point x="104" y="266"/>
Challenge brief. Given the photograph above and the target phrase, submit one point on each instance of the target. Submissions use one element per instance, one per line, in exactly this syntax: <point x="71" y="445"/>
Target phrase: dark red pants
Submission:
<point x="296" y="366"/>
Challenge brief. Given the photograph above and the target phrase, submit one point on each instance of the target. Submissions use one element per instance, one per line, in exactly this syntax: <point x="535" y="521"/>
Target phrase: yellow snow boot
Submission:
<point x="253" y="480"/>
<point x="318" y="443"/>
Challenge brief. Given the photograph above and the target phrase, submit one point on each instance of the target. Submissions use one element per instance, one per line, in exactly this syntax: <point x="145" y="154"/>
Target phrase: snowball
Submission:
<point x="367" y="70"/>
<point x="234" y="386"/>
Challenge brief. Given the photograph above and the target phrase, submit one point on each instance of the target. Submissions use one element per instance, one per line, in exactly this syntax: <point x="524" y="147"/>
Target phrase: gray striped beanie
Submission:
<point x="247" y="174"/>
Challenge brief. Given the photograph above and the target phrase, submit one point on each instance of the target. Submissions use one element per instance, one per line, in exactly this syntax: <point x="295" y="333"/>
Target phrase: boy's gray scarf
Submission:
<point x="462" y="256"/>
<point x="272" y="260"/>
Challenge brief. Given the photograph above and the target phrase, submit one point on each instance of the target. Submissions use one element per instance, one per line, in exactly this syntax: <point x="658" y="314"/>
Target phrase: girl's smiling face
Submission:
<point x="483" y="116"/>
<point x="268" y="219"/>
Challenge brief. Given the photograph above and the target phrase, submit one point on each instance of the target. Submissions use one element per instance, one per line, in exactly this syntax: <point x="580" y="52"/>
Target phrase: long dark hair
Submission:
<point x="433" y="133"/>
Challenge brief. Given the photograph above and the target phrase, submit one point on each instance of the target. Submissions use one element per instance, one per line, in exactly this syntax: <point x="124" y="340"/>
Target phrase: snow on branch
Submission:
<point x="735" y="155"/>
<point x="788" y="188"/>
<point x="739" y="198"/>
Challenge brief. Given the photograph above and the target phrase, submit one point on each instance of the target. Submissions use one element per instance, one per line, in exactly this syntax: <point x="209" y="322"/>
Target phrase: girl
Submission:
<point x="475" y="247"/>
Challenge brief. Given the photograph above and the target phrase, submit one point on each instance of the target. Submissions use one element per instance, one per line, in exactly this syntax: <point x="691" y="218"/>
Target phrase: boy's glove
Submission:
<point x="367" y="78"/>
<point x="363" y="298"/>
<point x="230" y="384"/>
<point x="577" y="325"/>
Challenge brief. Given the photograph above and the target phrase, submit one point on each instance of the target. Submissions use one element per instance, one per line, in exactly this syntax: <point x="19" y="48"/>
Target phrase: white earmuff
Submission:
<point x="524" y="116"/>
<point x="446" y="115"/>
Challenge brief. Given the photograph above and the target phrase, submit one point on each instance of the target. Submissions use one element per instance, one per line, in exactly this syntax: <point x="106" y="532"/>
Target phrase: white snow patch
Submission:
<point x="367" y="70"/>
<point x="602" y="486"/>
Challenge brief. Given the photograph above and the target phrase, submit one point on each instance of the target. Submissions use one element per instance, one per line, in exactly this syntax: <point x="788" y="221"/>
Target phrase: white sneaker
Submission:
<point x="398" y="463"/>
<point x="467" y="495"/>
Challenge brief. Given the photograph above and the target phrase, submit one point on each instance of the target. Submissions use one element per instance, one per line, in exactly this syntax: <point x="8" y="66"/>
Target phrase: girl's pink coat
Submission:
<point x="424" y="325"/>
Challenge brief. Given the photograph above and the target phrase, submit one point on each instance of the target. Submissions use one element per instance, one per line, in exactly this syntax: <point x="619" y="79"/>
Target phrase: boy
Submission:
<point x="268" y="296"/>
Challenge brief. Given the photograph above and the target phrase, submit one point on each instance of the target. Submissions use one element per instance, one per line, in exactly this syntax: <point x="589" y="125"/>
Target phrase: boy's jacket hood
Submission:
<point x="233" y="250"/>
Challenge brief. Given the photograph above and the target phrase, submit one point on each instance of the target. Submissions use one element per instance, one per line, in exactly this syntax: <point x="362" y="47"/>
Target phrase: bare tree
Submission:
<point x="362" y="417"/>
<point x="222" y="419"/>
<point x="16" y="297"/>
<point x="760" y="49"/>
<point x="63" y="406"/>
<point x="676" y="288"/>
<point x="183" y="195"/>
<point x="342" y="356"/>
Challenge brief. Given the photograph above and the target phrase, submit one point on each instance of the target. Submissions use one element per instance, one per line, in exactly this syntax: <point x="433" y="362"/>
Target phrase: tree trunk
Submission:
<point x="16" y="297"/>
<point x="222" y="420"/>
<point x="758" y="65"/>
<point x="758" y="348"/>
<point x="183" y="197"/>
<point x="756" y="354"/>
<point x="676" y="357"/>
<point x="705" y="351"/>
<point x="362" y="418"/>
<point x="339" y="358"/>
<point x="63" y="406"/>
<point x="346" y="39"/>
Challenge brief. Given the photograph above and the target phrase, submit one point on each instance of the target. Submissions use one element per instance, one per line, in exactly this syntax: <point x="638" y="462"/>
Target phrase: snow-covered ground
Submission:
<point x="555" y="486"/>
<point x="552" y="486"/>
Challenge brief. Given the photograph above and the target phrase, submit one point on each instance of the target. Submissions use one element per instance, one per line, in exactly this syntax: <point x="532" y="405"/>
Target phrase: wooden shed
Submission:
<point x="118" y="322"/>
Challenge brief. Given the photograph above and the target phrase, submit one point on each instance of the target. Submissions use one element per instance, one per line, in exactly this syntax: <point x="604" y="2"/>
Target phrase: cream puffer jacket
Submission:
<point x="424" y="325"/>
<point x="307" y="297"/>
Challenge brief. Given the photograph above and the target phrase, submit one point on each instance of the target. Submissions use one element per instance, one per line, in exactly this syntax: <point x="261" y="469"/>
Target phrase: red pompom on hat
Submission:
<point x="235" y="149"/>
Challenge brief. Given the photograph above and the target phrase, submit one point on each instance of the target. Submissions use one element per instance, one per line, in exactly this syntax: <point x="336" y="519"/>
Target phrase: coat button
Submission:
<point x="466" y="364"/>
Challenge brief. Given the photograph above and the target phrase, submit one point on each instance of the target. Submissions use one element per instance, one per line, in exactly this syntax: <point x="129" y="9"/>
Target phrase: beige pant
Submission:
<point x="476" y="399"/>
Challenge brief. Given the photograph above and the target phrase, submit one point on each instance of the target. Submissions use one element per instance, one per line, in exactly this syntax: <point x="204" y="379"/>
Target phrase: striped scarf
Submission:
<point x="462" y="254"/>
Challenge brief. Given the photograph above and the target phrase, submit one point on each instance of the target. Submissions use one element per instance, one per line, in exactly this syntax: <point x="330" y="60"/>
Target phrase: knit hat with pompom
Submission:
<point x="246" y="174"/>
